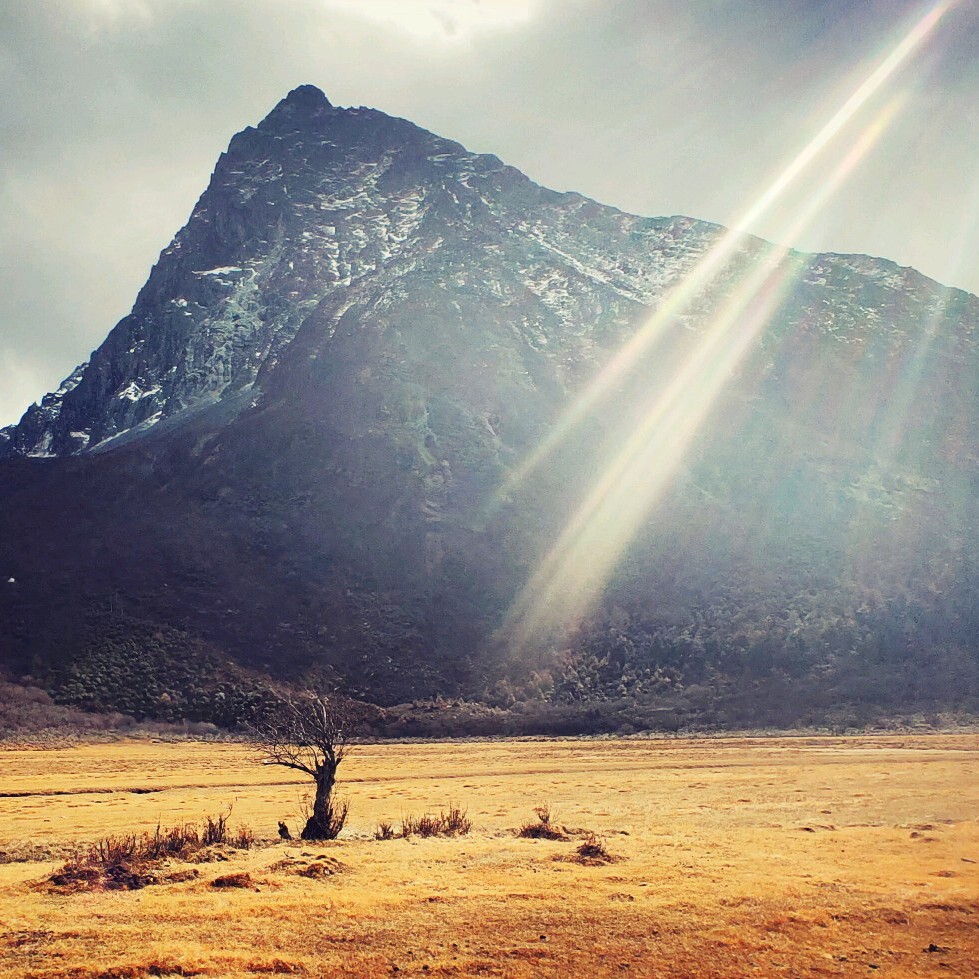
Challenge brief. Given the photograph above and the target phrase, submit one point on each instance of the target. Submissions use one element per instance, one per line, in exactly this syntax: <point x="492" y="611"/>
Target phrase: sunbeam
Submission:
<point x="576" y="568"/>
<point x="574" y="572"/>
<point x="718" y="256"/>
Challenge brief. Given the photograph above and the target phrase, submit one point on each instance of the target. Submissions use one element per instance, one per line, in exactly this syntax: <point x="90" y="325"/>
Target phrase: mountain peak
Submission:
<point x="307" y="96"/>
<point x="306" y="100"/>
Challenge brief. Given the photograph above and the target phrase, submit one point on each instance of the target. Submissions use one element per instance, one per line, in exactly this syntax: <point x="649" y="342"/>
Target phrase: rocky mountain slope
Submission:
<point x="318" y="204"/>
<point x="296" y="455"/>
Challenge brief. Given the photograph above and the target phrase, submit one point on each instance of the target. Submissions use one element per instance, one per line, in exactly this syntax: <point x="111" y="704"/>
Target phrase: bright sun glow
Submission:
<point x="577" y="568"/>
<point x="445" y="20"/>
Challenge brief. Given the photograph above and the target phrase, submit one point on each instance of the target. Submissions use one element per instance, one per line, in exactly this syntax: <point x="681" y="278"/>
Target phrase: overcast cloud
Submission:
<point x="114" y="112"/>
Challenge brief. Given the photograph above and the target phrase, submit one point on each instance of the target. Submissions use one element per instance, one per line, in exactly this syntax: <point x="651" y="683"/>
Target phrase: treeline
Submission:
<point x="153" y="672"/>
<point x="782" y="661"/>
<point x="712" y="651"/>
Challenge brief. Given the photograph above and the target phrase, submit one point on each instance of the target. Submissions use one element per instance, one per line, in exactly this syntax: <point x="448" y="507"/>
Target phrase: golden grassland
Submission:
<point x="814" y="856"/>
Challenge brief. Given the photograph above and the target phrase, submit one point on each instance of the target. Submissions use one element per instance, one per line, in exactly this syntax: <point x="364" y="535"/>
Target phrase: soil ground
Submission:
<point x="813" y="856"/>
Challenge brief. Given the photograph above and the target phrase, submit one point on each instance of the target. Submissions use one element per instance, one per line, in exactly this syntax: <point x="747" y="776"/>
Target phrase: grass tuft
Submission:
<point x="384" y="831"/>
<point x="454" y="822"/>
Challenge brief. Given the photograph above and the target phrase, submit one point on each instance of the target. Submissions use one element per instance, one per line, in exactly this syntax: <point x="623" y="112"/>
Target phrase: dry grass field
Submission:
<point x="813" y="856"/>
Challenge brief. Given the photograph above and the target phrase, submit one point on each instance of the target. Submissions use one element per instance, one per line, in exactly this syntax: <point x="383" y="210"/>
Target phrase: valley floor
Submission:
<point x="815" y="856"/>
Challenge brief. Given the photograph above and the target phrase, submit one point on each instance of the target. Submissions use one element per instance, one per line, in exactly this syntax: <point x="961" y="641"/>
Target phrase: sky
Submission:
<point x="114" y="113"/>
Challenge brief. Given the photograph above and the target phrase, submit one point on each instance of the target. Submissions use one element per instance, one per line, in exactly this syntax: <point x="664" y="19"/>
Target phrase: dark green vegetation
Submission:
<point x="341" y="518"/>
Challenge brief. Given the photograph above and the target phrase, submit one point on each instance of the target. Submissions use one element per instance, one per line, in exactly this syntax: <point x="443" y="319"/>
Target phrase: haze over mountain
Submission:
<point x="346" y="433"/>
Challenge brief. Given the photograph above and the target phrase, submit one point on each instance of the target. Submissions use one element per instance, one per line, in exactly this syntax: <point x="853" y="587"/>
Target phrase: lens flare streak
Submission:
<point x="574" y="572"/>
<point x="717" y="257"/>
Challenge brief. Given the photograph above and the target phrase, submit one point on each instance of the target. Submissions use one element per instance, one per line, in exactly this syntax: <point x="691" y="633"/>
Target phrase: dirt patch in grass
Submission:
<point x="316" y="868"/>
<point x="240" y="880"/>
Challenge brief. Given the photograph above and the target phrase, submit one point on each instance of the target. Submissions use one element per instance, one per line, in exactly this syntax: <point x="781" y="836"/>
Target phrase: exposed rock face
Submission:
<point x="296" y="449"/>
<point x="314" y="205"/>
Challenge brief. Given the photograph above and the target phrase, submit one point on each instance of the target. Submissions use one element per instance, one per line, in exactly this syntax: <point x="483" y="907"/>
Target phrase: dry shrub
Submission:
<point x="454" y="822"/>
<point x="111" y="864"/>
<point x="176" y="841"/>
<point x="591" y="852"/>
<point x="384" y="831"/>
<point x="543" y="829"/>
<point x="243" y="839"/>
<point x="215" y="829"/>
<point x="132" y="861"/>
<point x="336" y="818"/>
<point x="188" y="839"/>
<point x="427" y="825"/>
<point x="113" y="850"/>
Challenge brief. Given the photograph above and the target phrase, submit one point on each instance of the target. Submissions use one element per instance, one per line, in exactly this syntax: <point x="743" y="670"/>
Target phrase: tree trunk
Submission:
<point x="320" y="824"/>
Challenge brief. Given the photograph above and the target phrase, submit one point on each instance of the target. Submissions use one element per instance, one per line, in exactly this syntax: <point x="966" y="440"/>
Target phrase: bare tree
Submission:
<point x="310" y="733"/>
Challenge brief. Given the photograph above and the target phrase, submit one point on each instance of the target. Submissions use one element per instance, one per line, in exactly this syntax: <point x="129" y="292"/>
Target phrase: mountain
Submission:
<point x="305" y="454"/>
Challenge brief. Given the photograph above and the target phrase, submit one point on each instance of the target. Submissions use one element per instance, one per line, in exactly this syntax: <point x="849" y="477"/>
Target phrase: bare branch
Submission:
<point x="308" y="732"/>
